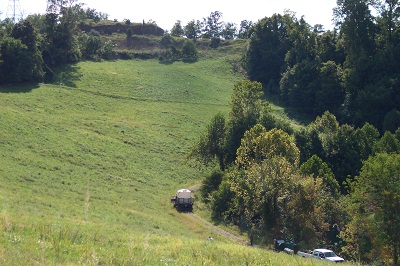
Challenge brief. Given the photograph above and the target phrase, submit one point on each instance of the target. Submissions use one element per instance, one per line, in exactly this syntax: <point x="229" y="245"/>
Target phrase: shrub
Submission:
<point x="210" y="184"/>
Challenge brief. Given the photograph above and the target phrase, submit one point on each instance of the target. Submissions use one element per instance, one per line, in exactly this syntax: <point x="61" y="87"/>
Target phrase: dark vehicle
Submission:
<point x="279" y="245"/>
<point x="289" y="247"/>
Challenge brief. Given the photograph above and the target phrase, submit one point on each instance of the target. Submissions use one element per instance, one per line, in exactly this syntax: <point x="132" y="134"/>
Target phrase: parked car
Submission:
<point x="322" y="254"/>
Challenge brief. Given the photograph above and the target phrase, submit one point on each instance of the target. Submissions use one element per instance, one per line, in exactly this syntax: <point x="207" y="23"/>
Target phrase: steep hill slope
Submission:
<point x="104" y="150"/>
<point x="88" y="165"/>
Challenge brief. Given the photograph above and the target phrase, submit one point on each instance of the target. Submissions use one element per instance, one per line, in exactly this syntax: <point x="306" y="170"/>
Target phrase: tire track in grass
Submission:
<point x="194" y="219"/>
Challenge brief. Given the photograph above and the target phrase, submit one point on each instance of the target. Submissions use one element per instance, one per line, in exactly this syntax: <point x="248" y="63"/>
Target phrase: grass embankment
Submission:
<point x="88" y="166"/>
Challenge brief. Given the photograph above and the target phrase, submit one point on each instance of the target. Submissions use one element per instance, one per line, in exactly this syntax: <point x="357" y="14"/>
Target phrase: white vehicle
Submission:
<point x="322" y="254"/>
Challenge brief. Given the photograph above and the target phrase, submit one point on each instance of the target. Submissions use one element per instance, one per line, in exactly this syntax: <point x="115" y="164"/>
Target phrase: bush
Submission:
<point x="189" y="50"/>
<point x="210" y="184"/>
<point x="215" y="42"/>
<point x="222" y="203"/>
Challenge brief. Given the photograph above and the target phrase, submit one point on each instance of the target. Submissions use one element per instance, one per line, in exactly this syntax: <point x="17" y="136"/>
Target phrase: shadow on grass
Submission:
<point x="184" y="60"/>
<point x="19" y="88"/>
<point x="189" y="60"/>
<point x="290" y="113"/>
<point x="66" y="75"/>
<point x="166" y="62"/>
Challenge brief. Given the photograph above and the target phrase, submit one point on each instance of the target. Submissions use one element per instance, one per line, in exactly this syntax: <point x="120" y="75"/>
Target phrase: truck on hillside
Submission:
<point x="183" y="200"/>
<point x="322" y="254"/>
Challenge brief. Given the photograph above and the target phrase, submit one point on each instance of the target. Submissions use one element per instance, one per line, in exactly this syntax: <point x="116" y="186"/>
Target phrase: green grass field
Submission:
<point x="88" y="165"/>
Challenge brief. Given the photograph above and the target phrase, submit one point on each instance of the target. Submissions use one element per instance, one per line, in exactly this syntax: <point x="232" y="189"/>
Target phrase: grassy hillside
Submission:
<point x="89" y="163"/>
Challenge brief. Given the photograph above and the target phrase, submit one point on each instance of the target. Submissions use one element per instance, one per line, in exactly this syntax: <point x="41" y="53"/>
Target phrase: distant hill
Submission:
<point x="118" y="27"/>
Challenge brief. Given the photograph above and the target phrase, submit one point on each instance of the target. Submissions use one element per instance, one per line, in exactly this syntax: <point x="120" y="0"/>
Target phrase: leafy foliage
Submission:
<point x="189" y="50"/>
<point x="210" y="184"/>
<point x="349" y="71"/>
<point x="177" y="29"/>
<point x="267" y="159"/>
<point x="211" y="145"/>
<point x="20" y="59"/>
<point x="317" y="168"/>
<point x="374" y="208"/>
<point x="268" y="45"/>
<point x="212" y="25"/>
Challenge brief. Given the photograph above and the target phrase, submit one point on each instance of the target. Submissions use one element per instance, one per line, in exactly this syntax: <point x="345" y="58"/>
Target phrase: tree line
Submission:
<point x="211" y="27"/>
<point x="32" y="48"/>
<point x="352" y="71"/>
<point x="328" y="184"/>
<point x="336" y="181"/>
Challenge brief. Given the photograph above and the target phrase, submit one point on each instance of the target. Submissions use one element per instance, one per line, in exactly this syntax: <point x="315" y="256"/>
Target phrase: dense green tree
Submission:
<point x="246" y="109"/>
<point x="389" y="11"/>
<point x="20" y="58"/>
<point x="167" y="41"/>
<point x="245" y="26"/>
<point x="375" y="100"/>
<point x="258" y="144"/>
<point x="358" y="31"/>
<point x="303" y="43"/>
<point x="330" y="94"/>
<point x="326" y="126"/>
<point x="189" y="50"/>
<point x="177" y="29"/>
<point x="343" y="156"/>
<point x="310" y="85"/>
<point x="391" y="121"/>
<point x="13" y="56"/>
<point x="211" y="145"/>
<point x="33" y="70"/>
<point x="387" y="144"/>
<point x="309" y="143"/>
<point x="367" y="136"/>
<point x="316" y="168"/>
<point x="212" y="25"/>
<point x="388" y="39"/>
<point x="38" y="21"/>
<point x="265" y="55"/>
<point x="329" y="48"/>
<point x="192" y="30"/>
<point x="6" y="27"/>
<point x="269" y="160"/>
<point x="229" y="31"/>
<point x="224" y="205"/>
<point x="246" y="103"/>
<point x="211" y="184"/>
<point x="92" y="13"/>
<point x="91" y="45"/>
<point x="307" y="210"/>
<point x="299" y="86"/>
<point x="61" y="32"/>
<point x="374" y="230"/>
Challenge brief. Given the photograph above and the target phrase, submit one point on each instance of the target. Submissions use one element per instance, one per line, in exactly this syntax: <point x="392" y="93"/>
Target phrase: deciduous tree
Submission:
<point x="177" y="29"/>
<point x="375" y="211"/>
<point x="268" y="160"/>
<point x="212" y="25"/>
<point x="192" y="30"/>
<point x="246" y="108"/>
<point x="211" y="145"/>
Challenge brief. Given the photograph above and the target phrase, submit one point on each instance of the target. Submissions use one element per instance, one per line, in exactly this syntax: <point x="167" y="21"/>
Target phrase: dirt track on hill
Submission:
<point x="209" y="226"/>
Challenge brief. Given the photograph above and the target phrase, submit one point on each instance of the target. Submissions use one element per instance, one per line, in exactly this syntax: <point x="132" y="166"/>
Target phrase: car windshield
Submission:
<point x="329" y="254"/>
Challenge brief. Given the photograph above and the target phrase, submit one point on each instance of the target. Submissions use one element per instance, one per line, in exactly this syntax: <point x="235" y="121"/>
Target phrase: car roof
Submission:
<point x="323" y="250"/>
